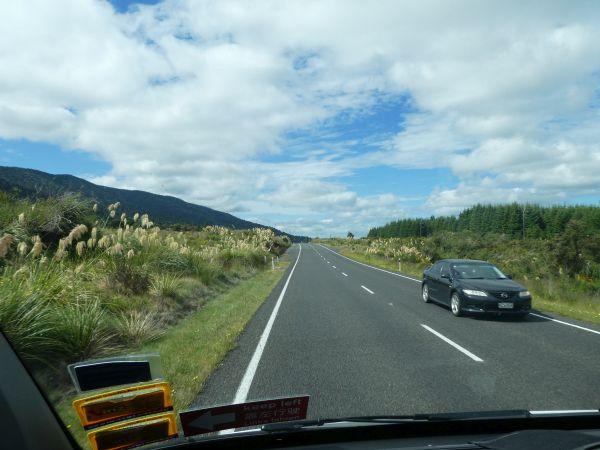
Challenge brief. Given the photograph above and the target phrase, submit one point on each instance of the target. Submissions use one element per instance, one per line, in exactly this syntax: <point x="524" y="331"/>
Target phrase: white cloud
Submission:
<point x="186" y="97"/>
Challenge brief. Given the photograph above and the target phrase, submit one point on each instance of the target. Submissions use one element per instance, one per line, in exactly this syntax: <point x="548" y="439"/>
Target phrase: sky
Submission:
<point x="316" y="117"/>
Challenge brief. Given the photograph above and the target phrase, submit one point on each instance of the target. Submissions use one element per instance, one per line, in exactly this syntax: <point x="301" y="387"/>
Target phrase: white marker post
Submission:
<point x="272" y="263"/>
<point x="399" y="266"/>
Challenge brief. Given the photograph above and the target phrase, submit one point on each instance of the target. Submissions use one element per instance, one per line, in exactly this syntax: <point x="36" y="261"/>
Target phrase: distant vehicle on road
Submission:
<point x="471" y="286"/>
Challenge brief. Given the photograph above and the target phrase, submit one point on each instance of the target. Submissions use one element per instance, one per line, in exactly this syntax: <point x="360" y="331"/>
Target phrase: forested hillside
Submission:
<point x="512" y="219"/>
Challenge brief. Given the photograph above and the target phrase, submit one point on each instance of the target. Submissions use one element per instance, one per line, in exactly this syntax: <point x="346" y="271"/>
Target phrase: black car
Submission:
<point x="471" y="286"/>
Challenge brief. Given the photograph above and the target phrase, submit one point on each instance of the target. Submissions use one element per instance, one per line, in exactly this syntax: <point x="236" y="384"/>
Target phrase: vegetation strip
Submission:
<point x="193" y="348"/>
<point x="79" y="280"/>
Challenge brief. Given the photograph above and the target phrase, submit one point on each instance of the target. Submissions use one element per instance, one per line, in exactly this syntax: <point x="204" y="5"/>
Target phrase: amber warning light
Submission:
<point x="133" y="433"/>
<point x="99" y="409"/>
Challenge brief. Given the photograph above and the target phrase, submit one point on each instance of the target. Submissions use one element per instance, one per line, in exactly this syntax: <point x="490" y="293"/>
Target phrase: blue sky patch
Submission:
<point x="122" y="6"/>
<point x="50" y="158"/>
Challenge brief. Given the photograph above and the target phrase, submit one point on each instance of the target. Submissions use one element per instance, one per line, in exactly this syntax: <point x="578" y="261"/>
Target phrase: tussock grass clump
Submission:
<point x="81" y="330"/>
<point x="165" y="285"/>
<point x="137" y="327"/>
<point x="27" y="322"/>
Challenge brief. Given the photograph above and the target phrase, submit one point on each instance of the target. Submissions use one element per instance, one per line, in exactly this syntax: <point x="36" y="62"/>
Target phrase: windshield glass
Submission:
<point x="257" y="200"/>
<point x="481" y="271"/>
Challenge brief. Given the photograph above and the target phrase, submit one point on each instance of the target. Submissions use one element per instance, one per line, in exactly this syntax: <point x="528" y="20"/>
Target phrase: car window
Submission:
<point x="486" y="271"/>
<point x="445" y="270"/>
<point x="435" y="269"/>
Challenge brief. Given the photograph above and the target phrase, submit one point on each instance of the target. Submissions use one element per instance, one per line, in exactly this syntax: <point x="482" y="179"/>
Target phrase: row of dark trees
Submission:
<point x="513" y="219"/>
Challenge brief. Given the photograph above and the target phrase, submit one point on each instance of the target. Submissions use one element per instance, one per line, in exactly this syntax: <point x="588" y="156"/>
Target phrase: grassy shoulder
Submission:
<point x="193" y="348"/>
<point x="411" y="269"/>
<point x="548" y="296"/>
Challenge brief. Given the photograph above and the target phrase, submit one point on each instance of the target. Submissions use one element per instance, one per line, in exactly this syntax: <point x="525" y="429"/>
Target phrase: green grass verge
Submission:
<point x="577" y="307"/>
<point x="193" y="348"/>
<point x="410" y="269"/>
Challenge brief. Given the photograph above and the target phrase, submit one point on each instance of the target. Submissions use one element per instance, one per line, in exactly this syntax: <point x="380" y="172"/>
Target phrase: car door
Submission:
<point x="444" y="284"/>
<point x="433" y="276"/>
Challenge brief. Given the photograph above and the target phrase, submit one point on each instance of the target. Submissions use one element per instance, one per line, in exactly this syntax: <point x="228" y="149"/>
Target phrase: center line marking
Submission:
<point x="345" y="274"/>
<point x="453" y="344"/>
<point x="372" y="267"/>
<point x="333" y="267"/>
<point x="244" y="388"/>
<point x="367" y="289"/>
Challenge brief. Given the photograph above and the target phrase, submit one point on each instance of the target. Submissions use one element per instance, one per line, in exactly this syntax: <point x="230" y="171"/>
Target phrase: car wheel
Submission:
<point x="455" y="305"/>
<point x="426" y="298"/>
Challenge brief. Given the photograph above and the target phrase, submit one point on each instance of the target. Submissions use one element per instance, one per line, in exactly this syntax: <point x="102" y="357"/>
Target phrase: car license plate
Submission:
<point x="506" y="305"/>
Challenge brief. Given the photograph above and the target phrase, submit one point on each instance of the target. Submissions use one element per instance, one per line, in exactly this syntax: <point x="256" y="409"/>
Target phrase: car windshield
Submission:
<point x="474" y="271"/>
<point x="221" y="202"/>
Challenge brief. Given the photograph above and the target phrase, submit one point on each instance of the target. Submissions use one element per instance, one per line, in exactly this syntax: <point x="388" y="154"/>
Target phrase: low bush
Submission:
<point x="165" y="285"/>
<point x="137" y="327"/>
<point x="128" y="278"/>
<point x="81" y="330"/>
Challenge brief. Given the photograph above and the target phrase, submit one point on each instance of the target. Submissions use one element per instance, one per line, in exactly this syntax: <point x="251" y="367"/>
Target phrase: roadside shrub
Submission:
<point x="137" y="327"/>
<point x="165" y="259"/>
<point x="25" y="319"/>
<point x="74" y="277"/>
<point x="51" y="218"/>
<point x="165" y="285"/>
<point x="81" y="331"/>
<point x="128" y="278"/>
<point x="206" y="271"/>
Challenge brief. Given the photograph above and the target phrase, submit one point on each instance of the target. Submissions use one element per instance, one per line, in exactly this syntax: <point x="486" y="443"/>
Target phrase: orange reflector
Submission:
<point x="123" y="403"/>
<point x="134" y="432"/>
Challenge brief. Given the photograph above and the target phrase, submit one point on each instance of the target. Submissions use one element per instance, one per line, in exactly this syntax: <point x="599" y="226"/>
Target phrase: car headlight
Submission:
<point x="524" y="294"/>
<point x="475" y="293"/>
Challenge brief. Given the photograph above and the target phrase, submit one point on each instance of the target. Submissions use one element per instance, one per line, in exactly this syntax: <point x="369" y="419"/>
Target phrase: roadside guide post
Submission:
<point x="272" y="263"/>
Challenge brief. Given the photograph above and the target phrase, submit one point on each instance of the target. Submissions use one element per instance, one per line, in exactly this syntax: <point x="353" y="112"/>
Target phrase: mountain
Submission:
<point x="163" y="209"/>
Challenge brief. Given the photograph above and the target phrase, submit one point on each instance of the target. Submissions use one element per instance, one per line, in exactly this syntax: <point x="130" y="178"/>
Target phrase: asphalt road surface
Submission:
<point x="361" y="341"/>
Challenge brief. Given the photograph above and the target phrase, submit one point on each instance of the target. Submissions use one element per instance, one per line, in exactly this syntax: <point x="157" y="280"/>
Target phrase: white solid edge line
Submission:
<point x="372" y="267"/>
<point x="566" y="411"/>
<point x="453" y="344"/>
<point x="565" y="323"/>
<point x="345" y="274"/>
<point x="367" y="289"/>
<point x="242" y="392"/>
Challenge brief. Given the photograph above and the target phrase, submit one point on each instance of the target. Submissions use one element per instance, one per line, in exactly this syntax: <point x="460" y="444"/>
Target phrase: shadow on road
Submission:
<point x="509" y="318"/>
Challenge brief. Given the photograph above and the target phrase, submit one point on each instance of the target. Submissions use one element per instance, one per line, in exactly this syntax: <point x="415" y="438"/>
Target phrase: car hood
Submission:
<point x="492" y="285"/>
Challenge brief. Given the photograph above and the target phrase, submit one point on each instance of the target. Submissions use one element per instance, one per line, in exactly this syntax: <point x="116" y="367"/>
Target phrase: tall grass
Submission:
<point x="165" y="284"/>
<point x="72" y="287"/>
<point x="81" y="330"/>
<point x="28" y="324"/>
<point x="137" y="327"/>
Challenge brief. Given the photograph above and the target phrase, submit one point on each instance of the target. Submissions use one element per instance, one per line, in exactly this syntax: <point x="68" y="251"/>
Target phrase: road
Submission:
<point x="360" y="341"/>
